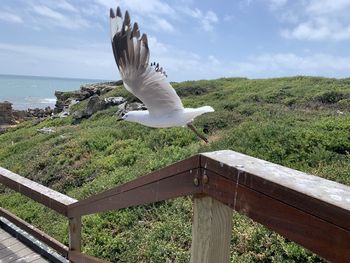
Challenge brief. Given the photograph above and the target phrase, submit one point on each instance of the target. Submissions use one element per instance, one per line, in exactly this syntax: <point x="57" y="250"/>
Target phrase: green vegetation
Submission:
<point x="299" y="122"/>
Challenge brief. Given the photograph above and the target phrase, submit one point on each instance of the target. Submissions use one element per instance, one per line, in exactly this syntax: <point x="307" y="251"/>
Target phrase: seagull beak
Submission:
<point x="189" y="125"/>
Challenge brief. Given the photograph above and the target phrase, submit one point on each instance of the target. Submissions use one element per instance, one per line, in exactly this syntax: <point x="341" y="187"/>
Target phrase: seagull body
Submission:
<point x="178" y="118"/>
<point x="147" y="82"/>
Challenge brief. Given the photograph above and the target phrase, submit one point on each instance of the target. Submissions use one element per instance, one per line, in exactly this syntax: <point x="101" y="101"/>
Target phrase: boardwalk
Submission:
<point x="12" y="250"/>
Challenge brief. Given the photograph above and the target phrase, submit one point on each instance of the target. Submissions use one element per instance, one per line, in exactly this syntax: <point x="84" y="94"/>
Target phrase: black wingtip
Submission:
<point x="119" y="13"/>
<point x="111" y="13"/>
<point x="127" y="18"/>
<point x="144" y="39"/>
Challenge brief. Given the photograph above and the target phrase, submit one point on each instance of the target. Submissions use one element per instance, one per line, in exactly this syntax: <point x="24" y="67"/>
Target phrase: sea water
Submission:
<point x="36" y="92"/>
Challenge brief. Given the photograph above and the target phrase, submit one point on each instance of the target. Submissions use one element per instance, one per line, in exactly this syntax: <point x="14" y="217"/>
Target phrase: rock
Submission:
<point x="40" y="113"/>
<point x="66" y="99"/>
<point x="114" y="101"/>
<point x="96" y="104"/>
<point x="79" y="114"/>
<point x="6" y="114"/>
<point x="135" y="106"/>
<point x="46" y="130"/>
<point x="126" y="107"/>
<point x="63" y="114"/>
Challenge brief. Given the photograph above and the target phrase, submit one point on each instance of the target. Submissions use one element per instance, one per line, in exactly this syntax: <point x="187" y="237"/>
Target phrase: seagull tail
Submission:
<point x="205" y="109"/>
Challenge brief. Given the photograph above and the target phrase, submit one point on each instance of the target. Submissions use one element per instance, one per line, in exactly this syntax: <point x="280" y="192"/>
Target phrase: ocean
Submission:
<point x="36" y="92"/>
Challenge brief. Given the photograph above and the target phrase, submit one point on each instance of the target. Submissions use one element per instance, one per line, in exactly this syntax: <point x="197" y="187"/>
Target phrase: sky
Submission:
<point x="190" y="39"/>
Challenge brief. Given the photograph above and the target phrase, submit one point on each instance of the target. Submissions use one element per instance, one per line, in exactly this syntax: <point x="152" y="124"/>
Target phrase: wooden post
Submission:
<point x="75" y="234"/>
<point x="211" y="231"/>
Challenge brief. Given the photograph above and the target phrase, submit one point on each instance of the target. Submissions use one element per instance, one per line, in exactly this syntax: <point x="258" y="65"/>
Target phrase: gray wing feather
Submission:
<point x="131" y="54"/>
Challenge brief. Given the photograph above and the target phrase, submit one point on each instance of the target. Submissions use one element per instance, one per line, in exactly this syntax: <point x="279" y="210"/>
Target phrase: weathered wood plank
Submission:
<point x="322" y="237"/>
<point x="37" y="259"/>
<point x="35" y="191"/>
<point x="11" y="250"/>
<point x="75" y="233"/>
<point x="211" y="231"/>
<point x="169" y="171"/>
<point x="18" y="255"/>
<point x="144" y="190"/>
<point x="320" y="197"/>
<point x="8" y="242"/>
<point x="38" y="234"/>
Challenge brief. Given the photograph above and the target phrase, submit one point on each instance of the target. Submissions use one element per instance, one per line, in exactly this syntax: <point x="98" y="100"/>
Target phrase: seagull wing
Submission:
<point x="147" y="82"/>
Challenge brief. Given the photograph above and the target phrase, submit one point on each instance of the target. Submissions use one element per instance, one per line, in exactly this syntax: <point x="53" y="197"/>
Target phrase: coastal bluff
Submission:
<point x="6" y="114"/>
<point x="64" y="99"/>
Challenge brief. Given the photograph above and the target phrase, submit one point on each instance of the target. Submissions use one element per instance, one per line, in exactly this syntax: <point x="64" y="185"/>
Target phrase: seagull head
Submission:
<point x="131" y="116"/>
<point x="123" y="116"/>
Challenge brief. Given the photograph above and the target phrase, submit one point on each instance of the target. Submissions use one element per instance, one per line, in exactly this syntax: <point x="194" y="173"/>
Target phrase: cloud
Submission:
<point x="207" y="19"/>
<point x="53" y="17"/>
<point x="315" y="20"/>
<point x="214" y="61"/>
<point x="321" y="7"/>
<point x="161" y="23"/>
<point x="276" y="4"/>
<point x="64" y="5"/>
<point x="284" y="64"/>
<point x="10" y="18"/>
<point x="319" y="29"/>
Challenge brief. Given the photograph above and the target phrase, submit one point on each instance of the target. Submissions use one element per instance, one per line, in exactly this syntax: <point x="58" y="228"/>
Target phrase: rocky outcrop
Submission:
<point x="6" y="114"/>
<point x="125" y="107"/>
<point x="95" y="104"/>
<point x="22" y="115"/>
<point x="66" y="99"/>
<point x="40" y="113"/>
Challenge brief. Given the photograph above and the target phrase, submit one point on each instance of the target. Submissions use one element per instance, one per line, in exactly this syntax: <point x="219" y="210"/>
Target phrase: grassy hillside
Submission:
<point x="299" y="122"/>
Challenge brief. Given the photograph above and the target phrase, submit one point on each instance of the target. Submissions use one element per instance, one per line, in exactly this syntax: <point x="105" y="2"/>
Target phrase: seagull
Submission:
<point x="148" y="81"/>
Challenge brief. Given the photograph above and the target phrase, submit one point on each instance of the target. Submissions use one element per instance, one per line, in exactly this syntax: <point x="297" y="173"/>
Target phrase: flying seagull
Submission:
<point x="147" y="82"/>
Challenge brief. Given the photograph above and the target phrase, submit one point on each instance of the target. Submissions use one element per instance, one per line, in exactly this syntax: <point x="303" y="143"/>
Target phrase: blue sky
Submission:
<point x="190" y="39"/>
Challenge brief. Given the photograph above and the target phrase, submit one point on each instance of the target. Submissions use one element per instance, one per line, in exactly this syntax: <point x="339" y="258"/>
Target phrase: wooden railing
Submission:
<point x="309" y="210"/>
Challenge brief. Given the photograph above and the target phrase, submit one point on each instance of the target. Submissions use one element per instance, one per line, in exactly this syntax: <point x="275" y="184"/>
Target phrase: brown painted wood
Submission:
<point x="171" y="170"/>
<point x="320" y="197"/>
<point x="78" y="257"/>
<point x="35" y="191"/>
<point x="144" y="190"/>
<point x="38" y="234"/>
<point x="75" y="233"/>
<point x="325" y="239"/>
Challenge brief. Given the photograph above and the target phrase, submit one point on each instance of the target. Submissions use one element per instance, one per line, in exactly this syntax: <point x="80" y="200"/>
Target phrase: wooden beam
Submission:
<point x="211" y="231"/>
<point x="322" y="237"/>
<point x="38" y="234"/>
<point x="174" y="181"/>
<point x="323" y="198"/>
<point x="36" y="192"/>
<point x="75" y="234"/>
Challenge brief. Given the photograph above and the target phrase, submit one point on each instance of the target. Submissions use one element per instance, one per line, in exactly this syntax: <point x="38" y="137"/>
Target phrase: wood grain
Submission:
<point x="36" y="192"/>
<point x="75" y="234"/>
<point x="38" y="234"/>
<point x="320" y="197"/>
<point x="211" y="231"/>
<point x="326" y="239"/>
<point x="124" y="196"/>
